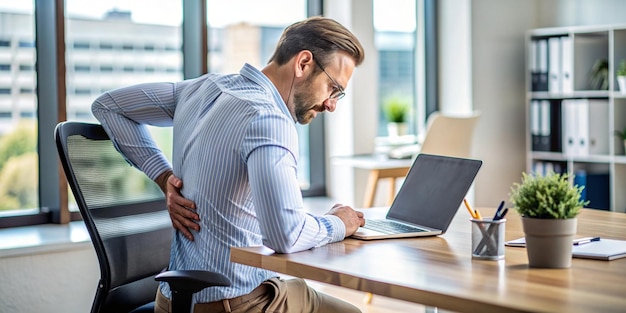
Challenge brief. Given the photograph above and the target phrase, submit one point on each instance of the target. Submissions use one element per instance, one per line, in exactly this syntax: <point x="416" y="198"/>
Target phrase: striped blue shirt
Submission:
<point x="236" y="150"/>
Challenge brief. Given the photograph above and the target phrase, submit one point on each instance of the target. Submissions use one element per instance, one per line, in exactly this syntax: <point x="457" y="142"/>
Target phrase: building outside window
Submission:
<point x="18" y="104"/>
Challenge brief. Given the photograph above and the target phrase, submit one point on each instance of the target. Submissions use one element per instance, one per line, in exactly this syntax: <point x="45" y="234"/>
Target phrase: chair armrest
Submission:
<point x="185" y="283"/>
<point x="192" y="280"/>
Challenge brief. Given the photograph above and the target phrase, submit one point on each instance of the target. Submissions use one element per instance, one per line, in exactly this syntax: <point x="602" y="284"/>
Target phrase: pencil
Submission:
<point x="469" y="208"/>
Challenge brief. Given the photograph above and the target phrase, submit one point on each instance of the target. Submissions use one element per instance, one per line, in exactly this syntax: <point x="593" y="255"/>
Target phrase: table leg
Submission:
<point x="392" y="190"/>
<point x="370" y="191"/>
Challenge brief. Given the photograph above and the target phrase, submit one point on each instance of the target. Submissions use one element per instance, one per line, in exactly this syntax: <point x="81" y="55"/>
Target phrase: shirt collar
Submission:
<point x="258" y="77"/>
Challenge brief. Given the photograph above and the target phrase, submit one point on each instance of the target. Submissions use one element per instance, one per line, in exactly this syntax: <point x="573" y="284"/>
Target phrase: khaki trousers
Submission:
<point x="273" y="296"/>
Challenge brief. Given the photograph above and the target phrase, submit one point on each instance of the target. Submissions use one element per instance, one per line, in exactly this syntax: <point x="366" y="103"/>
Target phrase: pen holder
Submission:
<point x="488" y="239"/>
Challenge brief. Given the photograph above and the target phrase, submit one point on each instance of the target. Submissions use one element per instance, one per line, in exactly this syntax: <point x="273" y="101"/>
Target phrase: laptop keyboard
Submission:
<point x="391" y="227"/>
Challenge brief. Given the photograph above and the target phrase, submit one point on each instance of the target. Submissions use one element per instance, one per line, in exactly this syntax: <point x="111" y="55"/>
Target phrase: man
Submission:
<point x="235" y="149"/>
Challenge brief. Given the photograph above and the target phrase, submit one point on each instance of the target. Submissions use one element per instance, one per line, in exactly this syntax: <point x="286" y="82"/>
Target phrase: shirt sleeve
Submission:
<point x="125" y="113"/>
<point x="277" y="197"/>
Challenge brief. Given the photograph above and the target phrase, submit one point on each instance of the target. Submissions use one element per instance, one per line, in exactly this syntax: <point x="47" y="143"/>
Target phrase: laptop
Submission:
<point x="430" y="196"/>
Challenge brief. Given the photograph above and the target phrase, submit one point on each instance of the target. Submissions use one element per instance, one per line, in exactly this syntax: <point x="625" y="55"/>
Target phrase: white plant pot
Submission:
<point x="397" y="129"/>
<point x="621" y="82"/>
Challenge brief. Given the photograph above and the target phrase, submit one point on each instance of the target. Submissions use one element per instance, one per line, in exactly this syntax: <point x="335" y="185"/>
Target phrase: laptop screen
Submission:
<point x="433" y="190"/>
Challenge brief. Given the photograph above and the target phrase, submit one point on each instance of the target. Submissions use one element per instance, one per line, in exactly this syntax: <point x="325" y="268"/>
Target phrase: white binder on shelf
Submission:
<point x="582" y="125"/>
<point x="567" y="65"/>
<point x="535" y="125"/>
<point x="585" y="127"/>
<point x="542" y="64"/>
<point x="554" y="65"/>
<point x="598" y="134"/>
<point x="544" y="127"/>
<point x="569" y="118"/>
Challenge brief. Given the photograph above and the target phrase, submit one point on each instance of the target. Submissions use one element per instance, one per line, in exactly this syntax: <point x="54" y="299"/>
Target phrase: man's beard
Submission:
<point x="302" y="103"/>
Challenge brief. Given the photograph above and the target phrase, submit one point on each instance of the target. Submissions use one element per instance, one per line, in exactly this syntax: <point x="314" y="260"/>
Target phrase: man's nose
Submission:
<point x="330" y="104"/>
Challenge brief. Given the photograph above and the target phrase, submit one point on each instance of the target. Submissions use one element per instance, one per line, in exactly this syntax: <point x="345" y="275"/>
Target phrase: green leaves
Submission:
<point x="621" y="70"/>
<point x="396" y="110"/>
<point x="551" y="196"/>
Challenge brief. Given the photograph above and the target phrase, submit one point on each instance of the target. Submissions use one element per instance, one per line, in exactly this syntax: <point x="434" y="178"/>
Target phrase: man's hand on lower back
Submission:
<point x="182" y="211"/>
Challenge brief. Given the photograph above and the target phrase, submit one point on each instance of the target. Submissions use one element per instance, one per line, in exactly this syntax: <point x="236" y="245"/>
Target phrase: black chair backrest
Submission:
<point x="124" y="212"/>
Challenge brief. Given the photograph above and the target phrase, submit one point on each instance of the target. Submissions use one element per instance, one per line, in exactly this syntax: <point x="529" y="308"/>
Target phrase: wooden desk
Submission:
<point x="380" y="167"/>
<point x="440" y="272"/>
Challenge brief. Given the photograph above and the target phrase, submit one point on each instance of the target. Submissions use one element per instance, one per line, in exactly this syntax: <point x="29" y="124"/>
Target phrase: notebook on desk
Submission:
<point x="430" y="196"/>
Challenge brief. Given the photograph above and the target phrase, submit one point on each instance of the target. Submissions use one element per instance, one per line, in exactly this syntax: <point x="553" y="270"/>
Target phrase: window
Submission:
<point x="26" y="44"/>
<point x="82" y="91"/>
<point x="106" y="46"/>
<point x="81" y="45"/>
<point x="26" y="90"/>
<point x="394" y="31"/>
<point x="81" y="68"/>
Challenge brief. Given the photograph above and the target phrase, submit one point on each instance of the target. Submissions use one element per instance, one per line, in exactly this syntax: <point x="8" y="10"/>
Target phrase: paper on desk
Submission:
<point x="604" y="249"/>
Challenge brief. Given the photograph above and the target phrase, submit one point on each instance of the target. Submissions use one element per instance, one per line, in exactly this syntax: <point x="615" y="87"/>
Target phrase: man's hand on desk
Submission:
<point x="351" y="218"/>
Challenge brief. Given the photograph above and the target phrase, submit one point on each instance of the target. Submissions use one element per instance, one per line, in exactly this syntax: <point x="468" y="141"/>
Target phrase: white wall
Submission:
<point x="554" y="13"/>
<point x="62" y="280"/>
<point x="498" y="91"/>
<point x="455" y="55"/>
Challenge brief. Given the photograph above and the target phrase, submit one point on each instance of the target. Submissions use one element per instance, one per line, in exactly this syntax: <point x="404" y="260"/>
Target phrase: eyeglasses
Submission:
<point x="338" y="92"/>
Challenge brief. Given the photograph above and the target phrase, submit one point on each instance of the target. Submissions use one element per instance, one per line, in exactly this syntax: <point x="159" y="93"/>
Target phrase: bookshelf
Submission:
<point x="571" y="115"/>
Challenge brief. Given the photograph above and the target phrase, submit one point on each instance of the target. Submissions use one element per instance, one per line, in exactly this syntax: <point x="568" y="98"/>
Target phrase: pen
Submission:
<point x="502" y="214"/>
<point x="582" y="241"/>
<point x="498" y="211"/>
<point x="469" y="208"/>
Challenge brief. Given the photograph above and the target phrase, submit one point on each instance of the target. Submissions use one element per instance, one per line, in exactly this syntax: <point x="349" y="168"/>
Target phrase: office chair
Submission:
<point x="449" y="135"/>
<point x="131" y="234"/>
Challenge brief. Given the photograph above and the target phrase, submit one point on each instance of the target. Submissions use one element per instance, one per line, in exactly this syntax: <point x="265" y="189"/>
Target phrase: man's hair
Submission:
<point x="322" y="36"/>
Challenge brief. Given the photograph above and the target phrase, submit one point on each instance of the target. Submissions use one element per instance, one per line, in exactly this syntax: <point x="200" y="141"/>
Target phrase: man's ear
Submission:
<point x="304" y="63"/>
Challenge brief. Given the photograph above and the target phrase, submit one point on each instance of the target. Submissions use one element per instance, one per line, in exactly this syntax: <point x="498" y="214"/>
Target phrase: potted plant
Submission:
<point x="621" y="76"/>
<point x="599" y="75"/>
<point x="622" y="135"/>
<point x="396" y="111"/>
<point x="548" y="205"/>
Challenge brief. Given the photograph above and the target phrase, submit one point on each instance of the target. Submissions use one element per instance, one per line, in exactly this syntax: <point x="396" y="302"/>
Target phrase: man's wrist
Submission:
<point x="161" y="180"/>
